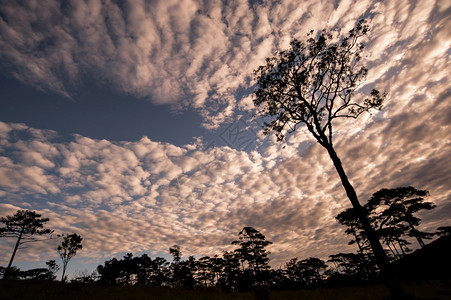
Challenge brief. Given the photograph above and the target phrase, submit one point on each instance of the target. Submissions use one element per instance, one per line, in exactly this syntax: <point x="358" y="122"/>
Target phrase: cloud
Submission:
<point x="146" y="195"/>
<point x="188" y="54"/>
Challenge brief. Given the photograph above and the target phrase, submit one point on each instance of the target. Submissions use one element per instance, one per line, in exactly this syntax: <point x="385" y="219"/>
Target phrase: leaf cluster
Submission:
<point x="313" y="82"/>
<point x="253" y="249"/>
<point x="24" y="224"/>
<point x="69" y="246"/>
<point x="392" y="214"/>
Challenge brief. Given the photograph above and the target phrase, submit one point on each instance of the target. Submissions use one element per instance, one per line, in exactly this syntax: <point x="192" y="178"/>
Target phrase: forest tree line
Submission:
<point x="393" y="214"/>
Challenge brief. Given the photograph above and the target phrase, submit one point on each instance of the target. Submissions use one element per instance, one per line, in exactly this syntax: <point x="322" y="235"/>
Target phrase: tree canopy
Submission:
<point x="313" y="83"/>
<point x="392" y="214"/>
<point x="396" y="208"/>
<point x="24" y="225"/>
<point x="68" y="248"/>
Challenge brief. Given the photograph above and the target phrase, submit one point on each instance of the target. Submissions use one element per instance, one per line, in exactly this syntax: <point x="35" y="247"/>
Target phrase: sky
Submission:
<point x="132" y="124"/>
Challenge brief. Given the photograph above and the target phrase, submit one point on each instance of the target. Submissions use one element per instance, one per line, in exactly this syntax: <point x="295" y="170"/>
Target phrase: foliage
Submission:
<point x="68" y="248"/>
<point x="312" y="83"/>
<point x="306" y="272"/>
<point x="53" y="268"/>
<point x="135" y="270"/>
<point x="392" y="215"/>
<point x="352" y="267"/>
<point x="395" y="208"/>
<point x="444" y="231"/>
<point x="350" y="219"/>
<point x="228" y="273"/>
<point x="252" y="249"/>
<point x="38" y="273"/>
<point x="24" y="225"/>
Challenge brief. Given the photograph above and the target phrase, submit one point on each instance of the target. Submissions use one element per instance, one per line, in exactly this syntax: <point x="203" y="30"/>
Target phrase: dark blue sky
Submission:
<point x="96" y="112"/>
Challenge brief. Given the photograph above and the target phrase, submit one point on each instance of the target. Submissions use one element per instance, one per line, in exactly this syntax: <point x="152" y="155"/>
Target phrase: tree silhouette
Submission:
<point x="252" y="251"/>
<point x="313" y="83"/>
<point x="24" y="225"/>
<point x="111" y="273"/>
<point x="176" y="266"/>
<point x="53" y="268"/>
<point x="306" y="272"/>
<point x="183" y="271"/>
<point x="349" y="218"/>
<point x="160" y="272"/>
<point x="67" y="249"/>
<point x="206" y="273"/>
<point x="230" y="271"/>
<point x="176" y="253"/>
<point x="391" y="236"/>
<point x="395" y="208"/>
<point x="352" y="266"/>
<point x="444" y="231"/>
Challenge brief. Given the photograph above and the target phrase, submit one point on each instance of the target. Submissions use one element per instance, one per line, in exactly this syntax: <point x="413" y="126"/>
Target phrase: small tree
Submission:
<point x="395" y="208"/>
<point x="67" y="249"/>
<point x="253" y="251"/>
<point x="389" y="235"/>
<point x="52" y="267"/>
<point x="24" y="225"/>
<point x="176" y="253"/>
<point x="230" y="273"/>
<point x="306" y="272"/>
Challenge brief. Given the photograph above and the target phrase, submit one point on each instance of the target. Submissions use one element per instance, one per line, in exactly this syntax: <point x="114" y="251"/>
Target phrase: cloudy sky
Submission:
<point x="130" y="123"/>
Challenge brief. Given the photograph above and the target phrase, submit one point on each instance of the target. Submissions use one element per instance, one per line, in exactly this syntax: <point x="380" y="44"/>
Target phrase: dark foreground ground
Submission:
<point x="432" y="289"/>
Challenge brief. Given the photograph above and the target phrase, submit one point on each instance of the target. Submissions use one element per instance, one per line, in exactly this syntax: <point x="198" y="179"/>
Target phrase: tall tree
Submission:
<point x="205" y="271"/>
<point x="396" y="208"/>
<point x="313" y="84"/>
<point x="160" y="273"/>
<point x="24" y="225"/>
<point x="113" y="272"/>
<point x="252" y="251"/>
<point x="67" y="249"/>
<point x="230" y="271"/>
<point x="143" y="268"/>
<point x="182" y="270"/>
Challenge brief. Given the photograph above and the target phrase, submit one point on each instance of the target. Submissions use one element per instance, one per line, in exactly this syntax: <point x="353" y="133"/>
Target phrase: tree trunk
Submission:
<point x="8" y="268"/>
<point x="402" y="249"/>
<point x="358" y="244"/>
<point x="64" y="271"/>
<point x="417" y="236"/>
<point x="393" y="252"/>
<point x="398" y="255"/>
<point x="381" y="257"/>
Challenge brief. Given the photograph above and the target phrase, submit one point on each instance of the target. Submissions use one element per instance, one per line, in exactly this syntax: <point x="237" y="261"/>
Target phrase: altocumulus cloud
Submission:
<point x="197" y="54"/>
<point x="146" y="195"/>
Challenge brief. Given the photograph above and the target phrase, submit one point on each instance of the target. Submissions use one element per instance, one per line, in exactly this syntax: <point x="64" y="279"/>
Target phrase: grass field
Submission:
<point x="55" y="290"/>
